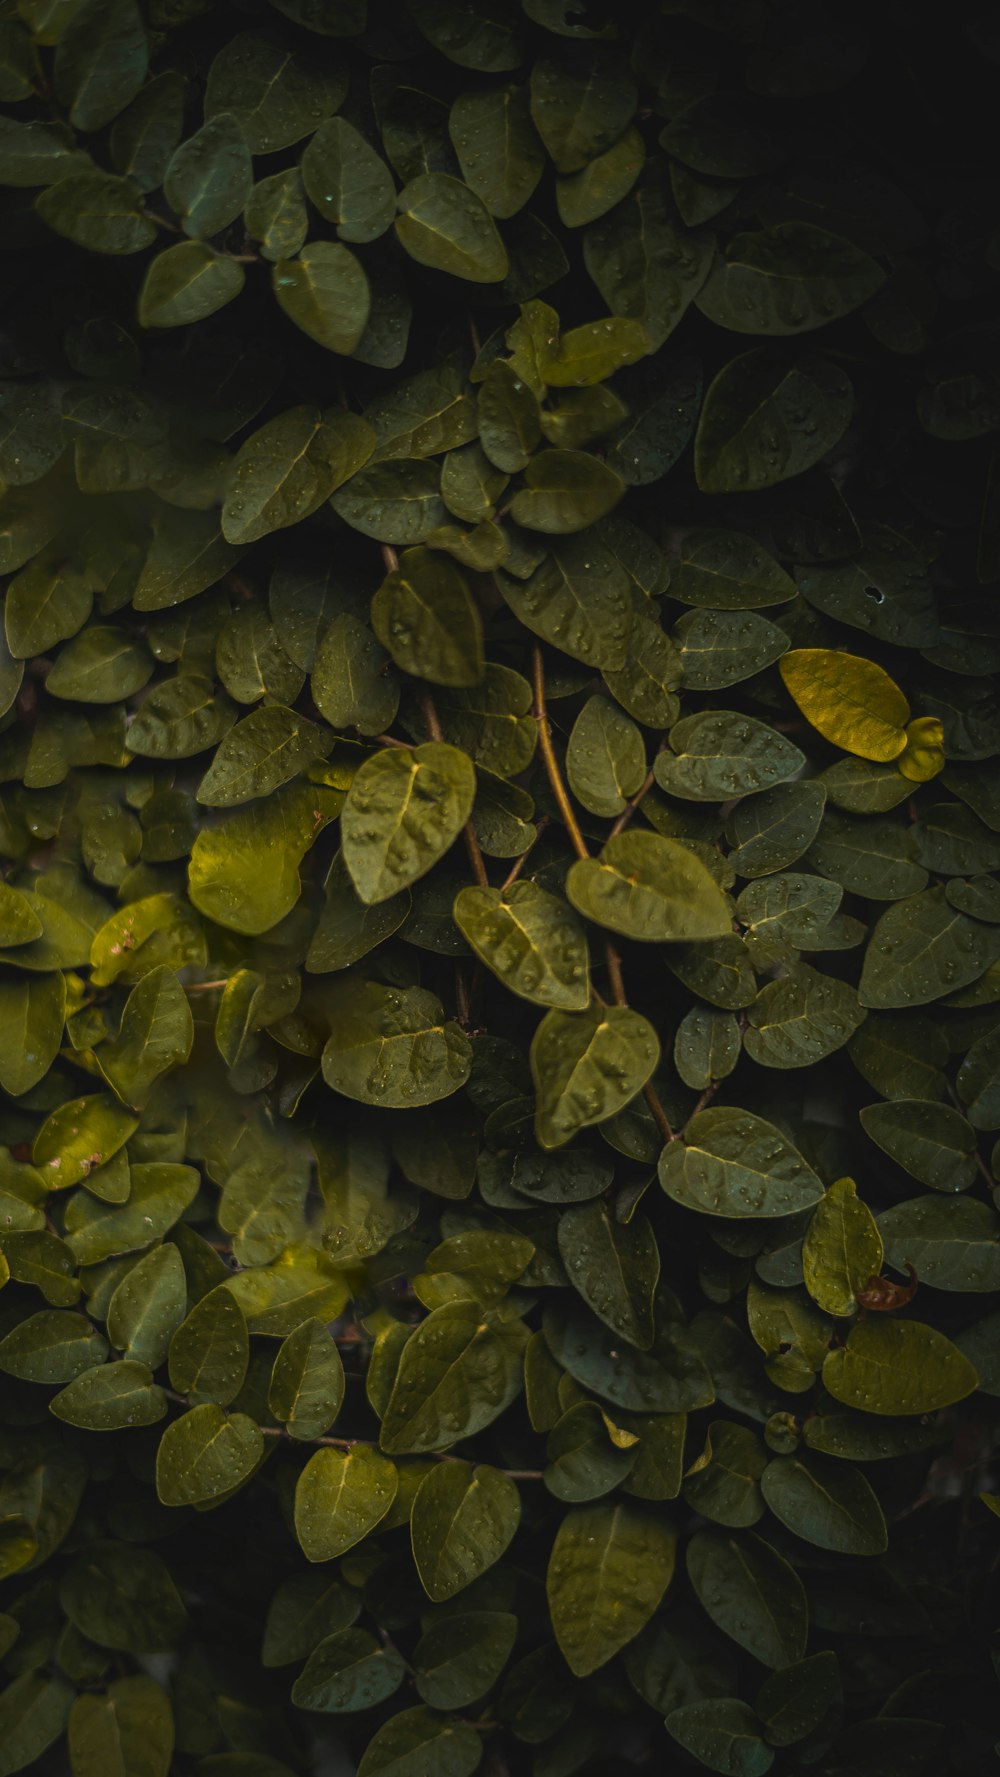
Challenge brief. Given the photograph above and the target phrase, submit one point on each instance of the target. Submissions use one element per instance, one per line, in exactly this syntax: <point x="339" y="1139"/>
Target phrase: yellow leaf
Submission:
<point x="924" y="755"/>
<point x="851" y="701"/>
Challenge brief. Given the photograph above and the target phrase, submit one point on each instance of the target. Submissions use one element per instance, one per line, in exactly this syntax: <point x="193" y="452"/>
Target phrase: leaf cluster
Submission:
<point x="500" y="897"/>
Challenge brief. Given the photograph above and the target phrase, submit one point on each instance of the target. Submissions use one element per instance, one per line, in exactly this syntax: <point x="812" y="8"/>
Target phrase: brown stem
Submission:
<point x="435" y="731"/>
<point x="390" y="558"/>
<point x="659" y="1115"/>
<point x="550" y="761"/>
<point x="162" y="222"/>
<point x="629" y="810"/>
<point x="389" y="740"/>
<point x="520" y="862"/>
<point x="614" y="965"/>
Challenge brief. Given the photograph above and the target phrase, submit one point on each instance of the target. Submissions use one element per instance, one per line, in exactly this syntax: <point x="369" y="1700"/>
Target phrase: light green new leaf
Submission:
<point x="530" y="940"/>
<point x="340" y="1496"/>
<point x="463" y="1518"/>
<point x="733" y="1164"/>
<point x="404" y="810"/>
<point x="650" y="888"/>
<point x="244" y="873"/>
<point x="842" y="1249"/>
<point x="586" y="1066"/>
<point x="78" y="1136"/>
<point x="609" y="1568"/>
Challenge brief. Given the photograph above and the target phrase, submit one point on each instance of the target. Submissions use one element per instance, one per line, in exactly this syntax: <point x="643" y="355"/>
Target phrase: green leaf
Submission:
<point x="187" y="283"/>
<point x="463" y="1519"/>
<point x="148" y="1306"/>
<point x="615" y="1267"/>
<point x="895" y="1367"/>
<point x="111" y="1397"/>
<point x="33" y="1712"/>
<point x="325" y="292"/>
<point x="932" y="1141"/>
<point x="565" y="490"/>
<point x="145" y="135"/>
<point x="580" y="109"/>
<point x="209" y="177"/>
<point x="586" y="1066"/>
<point x="509" y="418"/>
<point x="129" y="1729"/>
<point x="952" y="1246"/>
<point x="842" y="1249"/>
<point x="751" y="1594"/>
<point x="143" y="934"/>
<point x="459" y="1658"/>
<point x="584" y="196"/>
<point x="720" y="648"/>
<point x="348" y="183"/>
<point x="647" y="268"/>
<point x="800" y="1018"/>
<point x="244" y="873"/>
<point x="404" y="810"/>
<point x="605" y="758"/>
<point x="275" y="214"/>
<point x="609" y="1568"/>
<point x="826" y="1504"/>
<point x="32" y="1012"/>
<point x="718" y="755"/>
<point x="19" y="923"/>
<point x="850" y="700"/>
<point x="445" y="225"/>
<point x="210" y="1350"/>
<point x="649" y="888"/>
<point x="392" y="1047"/>
<point x="796" y="1699"/>
<point x="788" y="279"/>
<point x="307" y="1382"/>
<point x="457" y="1373"/>
<point x="426" y="617"/>
<point x="586" y="355"/>
<point x="79" y="1135"/>
<point x="287" y="469"/>
<point x="706" y="1047"/>
<point x="353" y="684"/>
<point x="349" y="1670"/>
<point x="264" y="751"/>
<point x="97" y="211"/>
<point x="340" y="1496"/>
<point x="156" y="1035"/>
<point x="51" y="1346"/>
<point x="733" y="1164"/>
<point x="767" y="417"/>
<point x="347" y="929"/>
<point x="921" y="949"/>
<point x="728" y="570"/>
<point x="160" y="1193"/>
<point x="723" y="1484"/>
<point x="100" y="61"/>
<point x="579" y="599"/>
<point x="723" y="1734"/>
<point x="205" y="1454"/>
<point x="275" y="95"/>
<point x="418" y="1743"/>
<point x="530" y="940"/>
<point x="497" y="145"/>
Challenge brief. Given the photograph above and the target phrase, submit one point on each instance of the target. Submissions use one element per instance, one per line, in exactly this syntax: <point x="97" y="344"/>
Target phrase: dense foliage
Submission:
<point x="500" y="970"/>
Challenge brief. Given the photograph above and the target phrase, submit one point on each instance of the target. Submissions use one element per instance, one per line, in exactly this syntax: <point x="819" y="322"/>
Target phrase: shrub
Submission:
<point x="500" y="965"/>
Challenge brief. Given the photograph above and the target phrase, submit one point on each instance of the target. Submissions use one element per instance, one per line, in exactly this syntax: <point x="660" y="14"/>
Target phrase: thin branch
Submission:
<point x="614" y="964"/>
<point x="390" y="558"/>
<point x="658" y="1113"/>
<point x="550" y="761"/>
<point x="520" y="862"/>
<point x="629" y="810"/>
<point x="389" y="740"/>
<point x="435" y="731"/>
